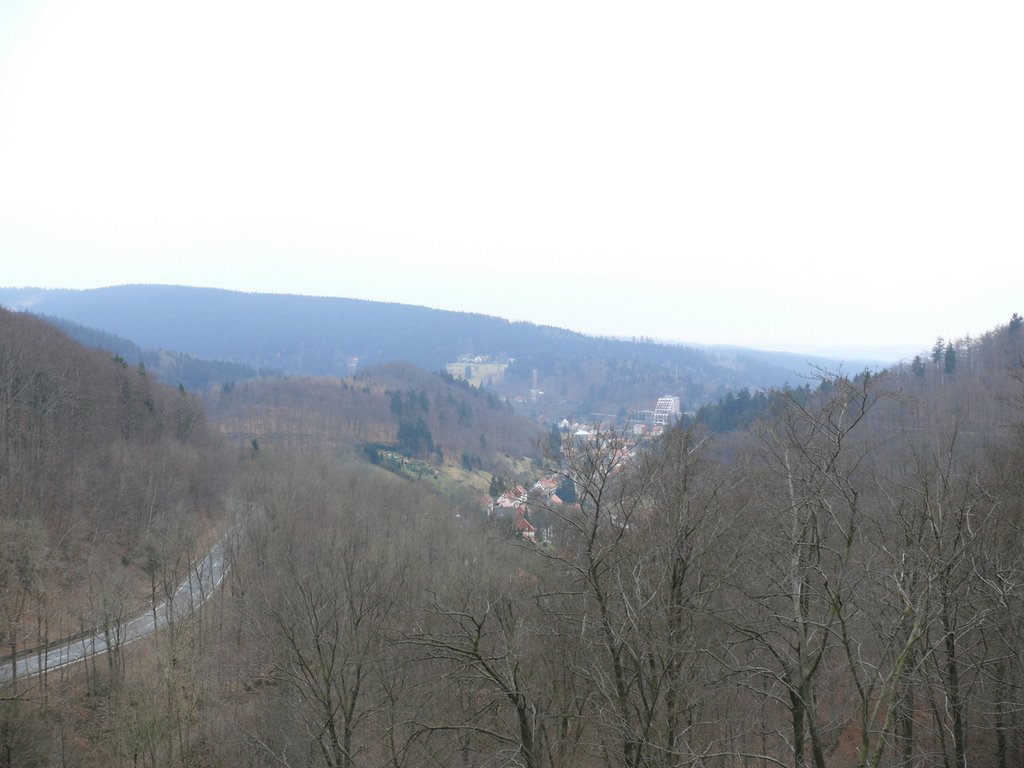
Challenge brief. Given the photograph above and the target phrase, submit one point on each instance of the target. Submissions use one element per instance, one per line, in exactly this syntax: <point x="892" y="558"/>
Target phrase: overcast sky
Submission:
<point x="802" y="176"/>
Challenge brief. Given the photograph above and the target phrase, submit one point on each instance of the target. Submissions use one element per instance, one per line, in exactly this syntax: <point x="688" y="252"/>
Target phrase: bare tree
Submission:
<point x="327" y="585"/>
<point x="630" y="578"/>
<point x="798" y="590"/>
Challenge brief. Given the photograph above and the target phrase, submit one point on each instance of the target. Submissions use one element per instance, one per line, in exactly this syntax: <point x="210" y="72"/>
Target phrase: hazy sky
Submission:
<point x="785" y="175"/>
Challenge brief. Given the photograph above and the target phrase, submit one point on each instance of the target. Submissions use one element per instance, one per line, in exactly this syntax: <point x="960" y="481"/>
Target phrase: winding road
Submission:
<point x="202" y="582"/>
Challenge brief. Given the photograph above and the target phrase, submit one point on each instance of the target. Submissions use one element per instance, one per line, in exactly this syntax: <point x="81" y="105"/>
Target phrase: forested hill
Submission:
<point x="423" y="415"/>
<point x="173" y="368"/>
<point x="99" y="464"/>
<point x="81" y="431"/>
<point x="331" y="336"/>
<point x="974" y="378"/>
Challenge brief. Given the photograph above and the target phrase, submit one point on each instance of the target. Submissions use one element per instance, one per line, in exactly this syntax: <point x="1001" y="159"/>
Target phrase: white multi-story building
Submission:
<point x="667" y="410"/>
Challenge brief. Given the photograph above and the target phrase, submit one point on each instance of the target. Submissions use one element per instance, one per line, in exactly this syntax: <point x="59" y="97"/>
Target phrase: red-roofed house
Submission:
<point x="524" y="527"/>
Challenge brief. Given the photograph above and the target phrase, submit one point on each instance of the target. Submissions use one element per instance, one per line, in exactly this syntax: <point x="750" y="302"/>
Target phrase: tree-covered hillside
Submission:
<point x="399" y="406"/>
<point x="99" y="464"/>
<point x="83" y="432"/>
<point x="173" y="368"/>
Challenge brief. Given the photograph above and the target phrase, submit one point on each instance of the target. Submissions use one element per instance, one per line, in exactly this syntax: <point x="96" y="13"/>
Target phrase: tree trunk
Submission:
<point x="953" y="686"/>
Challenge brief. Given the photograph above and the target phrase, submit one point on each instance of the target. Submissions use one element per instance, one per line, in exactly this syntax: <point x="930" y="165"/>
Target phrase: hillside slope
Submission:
<point x="173" y="368"/>
<point x="422" y="415"/>
<point x="101" y="467"/>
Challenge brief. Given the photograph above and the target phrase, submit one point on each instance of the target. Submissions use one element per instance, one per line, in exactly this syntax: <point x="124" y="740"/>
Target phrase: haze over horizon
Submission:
<point x="881" y="354"/>
<point x="801" y="178"/>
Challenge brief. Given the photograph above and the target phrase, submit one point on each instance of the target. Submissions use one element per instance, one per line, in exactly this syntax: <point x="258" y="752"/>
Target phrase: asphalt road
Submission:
<point x="204" y="579"/>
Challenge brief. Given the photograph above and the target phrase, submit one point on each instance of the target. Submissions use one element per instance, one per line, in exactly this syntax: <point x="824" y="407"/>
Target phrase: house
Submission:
<point x="513" y="497"/>
<point x="545" y="487"/>
<point x="523" y="527"/>
<point x="509" y="500"/>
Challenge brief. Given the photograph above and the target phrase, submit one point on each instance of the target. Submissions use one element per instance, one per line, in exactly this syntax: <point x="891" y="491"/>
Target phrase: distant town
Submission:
<point x="532" y="509"/>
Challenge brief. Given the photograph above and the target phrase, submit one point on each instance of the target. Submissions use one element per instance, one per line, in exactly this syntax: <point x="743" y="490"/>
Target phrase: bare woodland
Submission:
<point x="839" y="584"/>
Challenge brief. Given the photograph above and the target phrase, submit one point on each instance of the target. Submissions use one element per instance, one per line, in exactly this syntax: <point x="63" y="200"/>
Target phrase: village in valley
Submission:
<point x="534" y="511"/>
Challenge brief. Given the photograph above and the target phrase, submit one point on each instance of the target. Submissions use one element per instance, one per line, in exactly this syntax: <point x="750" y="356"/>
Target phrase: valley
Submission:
<point x="424" y="572"/>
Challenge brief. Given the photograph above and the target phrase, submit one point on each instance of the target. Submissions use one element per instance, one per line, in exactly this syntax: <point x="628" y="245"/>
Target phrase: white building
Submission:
<point x="667" y="410"/>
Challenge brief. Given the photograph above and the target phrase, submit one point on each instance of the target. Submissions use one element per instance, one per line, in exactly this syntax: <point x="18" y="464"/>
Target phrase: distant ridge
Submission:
<point x="317" y="336"/>
<point x="170" y="367"/>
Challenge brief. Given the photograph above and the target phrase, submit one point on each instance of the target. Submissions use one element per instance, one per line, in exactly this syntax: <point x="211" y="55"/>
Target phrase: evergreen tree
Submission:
<point x="498" y="486"/>
<point x="917" y="366"/>
<point x="554" y="440"/>
<point x="567" y="491"/>
<point x="414" y="438"/>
